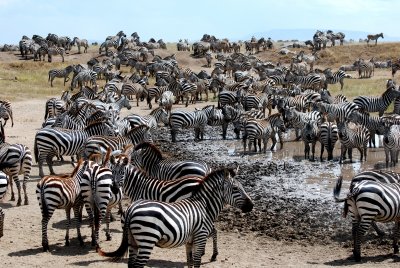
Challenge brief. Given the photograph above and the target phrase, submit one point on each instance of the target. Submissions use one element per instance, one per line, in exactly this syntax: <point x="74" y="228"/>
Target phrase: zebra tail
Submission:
<point x="123" y="247"/>
<point x="336" y="191"/>
<point x="36" y="151"/>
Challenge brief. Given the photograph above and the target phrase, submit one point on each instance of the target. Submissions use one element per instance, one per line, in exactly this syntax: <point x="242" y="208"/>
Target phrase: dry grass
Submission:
<point x="21" y="79"/>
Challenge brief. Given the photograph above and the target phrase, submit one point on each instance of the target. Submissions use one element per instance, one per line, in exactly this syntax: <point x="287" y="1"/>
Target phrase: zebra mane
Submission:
<point x="77" y="167"/>
<point x="138" y="128"/>
<point x="228" y="172"/>
<point x="152" y="147"/>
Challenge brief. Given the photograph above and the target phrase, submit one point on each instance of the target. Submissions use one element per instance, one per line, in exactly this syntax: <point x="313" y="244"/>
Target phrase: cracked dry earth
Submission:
<point x="295" y="222"/>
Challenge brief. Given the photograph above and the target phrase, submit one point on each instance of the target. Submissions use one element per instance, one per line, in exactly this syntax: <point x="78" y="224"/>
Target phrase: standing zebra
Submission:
<point x="61" y="192"/>
<point x="6" y="112"/>
<point x="80" y="43"/>
<point x="350" y="138"/>
<point x="50" y="142"/>
<point x="369" y="202"/>
<point x="3" y="191"/>
<point x="15" y="159"/>
<point x="372" y="122"/>
<point x="336" y="77"/>
<point x="60" y="73"/>
<point x="378" y="104"/>
<point x="310" y="134"/>
<point x="374" y="37"/>
<point x="190" y="221"/>
<point x="328" y="136"/>
<point x="196" y="119"/>
<point x="391" y="143"/>
<point x="365" y="68"/>
<point x="84" y="77"/>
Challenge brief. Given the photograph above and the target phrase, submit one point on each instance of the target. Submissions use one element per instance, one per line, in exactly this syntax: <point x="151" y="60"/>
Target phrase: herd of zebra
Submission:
<point x="117" y="157"/>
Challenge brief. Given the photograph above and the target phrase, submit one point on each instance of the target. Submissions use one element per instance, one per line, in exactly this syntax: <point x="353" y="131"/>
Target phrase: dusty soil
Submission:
<point x="294" y="223"/>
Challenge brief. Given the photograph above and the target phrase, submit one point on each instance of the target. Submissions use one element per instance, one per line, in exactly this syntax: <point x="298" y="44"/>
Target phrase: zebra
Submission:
<point x="369" y="202"/>
<point x="97" y="144"/>
<point x="310" y="134"/>
<point x="3" y="191"/>
<point x="208" y="57"/>
<point x="155" y="92"/>
<point x="297" y="119"/>
<point x="261" y="130"/>
<point x="319" y="40"/>
<point x="129" y="89"/>
<point x="227" y="98"/>
<point x="80" y="43"/>
<point x="50" y="142"/>
<point x="96" y="190"/>
<point x="309" y="59"/>
<point x="312" y="80"/>
<point x="184" y="119"/>
<point x="167" y="100"/>
<point x="54" y="107"/>
<point x="193" y="219"/>
<point x="328" y="136"/>
<point x="60" y="73"/>
<point x="395" y="67"/>
<point x="327" y="97"/>
<point x="336" y="77"/>
<point x="15" y="159"/>
<point x="53" y="51"/>
<point x="391" y="143"/>
<point x="378" y="104"/>
<point x="83" y="77"/>
<point x="374" y="37"/>
<point x="61" y="191"/>
<point x="339" y="111"/>
<point x="365" y="68"/>
<point x="6" y="112"/>
<point x="350" y="138"/>
<point x="152" y="120"/>
<point x="149" y="158"/>
<point x="372" y="122"/>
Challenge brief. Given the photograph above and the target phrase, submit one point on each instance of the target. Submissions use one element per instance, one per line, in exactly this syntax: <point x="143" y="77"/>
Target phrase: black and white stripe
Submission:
<point x="60" y="73"/>
<point x="356" y="137"/>
<point x="328" y="136"/>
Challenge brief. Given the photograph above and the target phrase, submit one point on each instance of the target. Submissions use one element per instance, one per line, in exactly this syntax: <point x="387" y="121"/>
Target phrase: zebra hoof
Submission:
<point x="19" y="203"/>
<point x="108" y="237"/>
<point x="26" y="202"/>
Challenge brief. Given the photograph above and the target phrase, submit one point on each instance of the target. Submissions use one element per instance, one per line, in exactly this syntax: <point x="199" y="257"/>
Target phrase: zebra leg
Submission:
<point x="386" y="156"/>
<point x="306" y="150"/>
<point x="1" y="222"/>
<point x="342" y="154"/>
<point x="322" y="152"/>
<point x="78" y="220"/>
<point x="108" y="216"/>
<point x="173" y="135"/>
<point x="377" y="230"/>
<point x="313" y="151"/>
<point x="358" y="234"/>
<point x="18" y="184"/>
<point x="49" y="160"/>
<point x="12" y="188"/>
<point x="396" y="236"/>
<point x="189" y="254"/>
<point x="45" y="221"/>
<point x="214" y="235"/>
<point x="67" y="224"/>
<point x="350" y="154"/>
<point x="199" y="244"/>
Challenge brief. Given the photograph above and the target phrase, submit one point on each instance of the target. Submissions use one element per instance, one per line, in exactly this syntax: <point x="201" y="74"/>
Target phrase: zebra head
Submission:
<point x="120" y="166"/>
<point x="234" y="193"/>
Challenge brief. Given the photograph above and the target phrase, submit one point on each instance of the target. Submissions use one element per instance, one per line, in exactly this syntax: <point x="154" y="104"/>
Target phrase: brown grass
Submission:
<point x="21" y="79"/>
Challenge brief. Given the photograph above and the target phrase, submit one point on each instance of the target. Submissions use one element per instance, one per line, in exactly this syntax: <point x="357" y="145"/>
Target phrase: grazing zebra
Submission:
<point x="391" y="143"/>
<point x="149" y="158"/>
<point x="61" y="191"/>
<point x="53" y="51"/>
<point x="261" y="130"/>
<point x="60" y="73"/>
<point x="190" y="221"/>
<point x="310" y="134"/>
<point x="80" y="43"/>
<point x="6" y="112"/>
<point x="96" y="184"/>
<point x="369" y="202"/>
<point x="184" y="119"/>
<point x="155" y="92"/>
<point x="97" y="144"/>
<point x="50" y="142"/>
<point x="15" y="159"/>
<point x="328" y="136"/>
<point x="378" y="104"/>
<point x="350" y="138"/>
<point x="374" y="37"/>
<point x="3" y="191"/>
<point x="327" y="97"/>
<point x="129" y="89"/>
<point x="336" y="77"/>
<point x="167" y="100"/>
<point x="372" y="122"/>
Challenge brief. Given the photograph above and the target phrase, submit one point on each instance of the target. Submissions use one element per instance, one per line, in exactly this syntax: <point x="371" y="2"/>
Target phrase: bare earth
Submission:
<point x="21" y="244"/>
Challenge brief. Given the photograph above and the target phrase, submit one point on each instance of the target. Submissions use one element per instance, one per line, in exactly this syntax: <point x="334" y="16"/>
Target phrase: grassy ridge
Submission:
<point x="22" y="79"/>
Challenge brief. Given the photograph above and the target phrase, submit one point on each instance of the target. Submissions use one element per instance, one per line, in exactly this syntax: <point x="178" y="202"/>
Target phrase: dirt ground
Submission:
<point x="294" y="223"/>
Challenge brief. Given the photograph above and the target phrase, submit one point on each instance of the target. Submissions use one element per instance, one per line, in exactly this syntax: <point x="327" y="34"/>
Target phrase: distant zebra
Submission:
<point x="61" y="191"/>
<point x="51" y="142"/>
<point x="350" y="138"/>
<point x="395" y="68"/>
<point x="298" y="119"/>
<point x="391" y="143"/>
<point x="328" y="136"/>
<point x="365" y="68"/>
<point x="149" y="158"/>
<point x="374" y="37"/>
<point x="369" y="202"/>
<point x="3" y="191"/>
<point x="184" y="119"/>
<point x="378" y="104"/>
<point x="54" y="107"/>
<point x="336" y="77"/>
<point x="83" y="78"/>
<point x="53" y="51"/>
<point x="80" y="43"/>
<point x="191" y="220"/>
<point x="310" y="81"/>
<point x="60" y="73"/>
